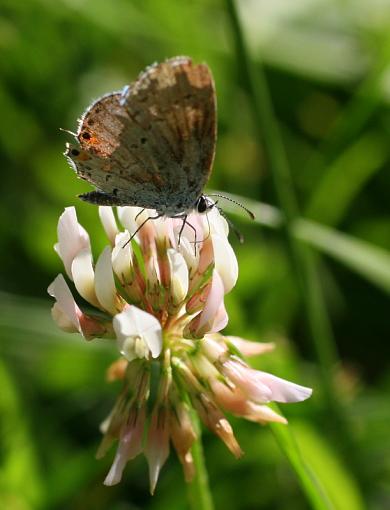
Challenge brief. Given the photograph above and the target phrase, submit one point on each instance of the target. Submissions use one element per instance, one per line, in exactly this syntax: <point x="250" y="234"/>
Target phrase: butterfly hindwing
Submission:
<point x="153" y="144"/>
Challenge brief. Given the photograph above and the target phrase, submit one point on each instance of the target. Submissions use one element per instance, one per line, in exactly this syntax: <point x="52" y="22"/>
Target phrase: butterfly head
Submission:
<point x="203" y="204"/>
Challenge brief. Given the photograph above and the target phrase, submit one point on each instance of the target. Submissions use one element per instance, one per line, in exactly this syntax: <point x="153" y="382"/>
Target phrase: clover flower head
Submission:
<point x="160" y="297"/>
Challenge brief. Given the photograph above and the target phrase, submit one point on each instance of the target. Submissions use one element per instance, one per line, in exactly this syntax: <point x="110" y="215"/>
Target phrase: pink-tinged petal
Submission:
<point x="62" y="320"/>
<point x="214" y="347"/>
<point x="218" y="224"/>
<point x="213" y="317"/>
<point x="233" y="400"/>
<point x="60" y="291"/>
<point x="68" y="312"/>
<point x="193" y="228"/>
<point x="109" y="223"/>
<point x="117" y="370"/>
<point x="105" y="284"/>
<point x="137" y="332"/>
<point x="183" y="436"/>
<point x="213" y="303"/>
<point x="94" y="328"/>
<point x="248" y="348"/>
<point x="127" y="216"/>
<point x="157" y="446"/>
<point x="130" y="445"/>
<point x="220" y="320"/>
<point x="263" y="414"/>
<point x="190" y="256"/>
<point x="217" y="423"/>
<point x="206" y="256"/>
<point x="147" y="233"/>
<point x="122" y="258"/>
<point x="198" y="300"/>
<point x="230" y="398"/>
<point x="204" y="368"/>
<point x="247" y="380"/>
<point x="225" y="261"/>
<point x="163" y="228"/>
<point x="179" y="276"/>
<point x="164" y="268"/>
<point x="152" y="274"/>
<point x="72" y="238"/>
<point x="84" y="277"/>
<point x="282" y="390"/>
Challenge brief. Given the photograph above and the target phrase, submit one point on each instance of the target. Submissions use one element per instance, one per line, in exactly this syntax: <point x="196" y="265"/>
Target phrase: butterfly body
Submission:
<point x="152" y="144"/>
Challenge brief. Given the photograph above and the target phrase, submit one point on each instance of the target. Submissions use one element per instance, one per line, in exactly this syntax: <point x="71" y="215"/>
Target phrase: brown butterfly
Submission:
<point x="151" y="145"/>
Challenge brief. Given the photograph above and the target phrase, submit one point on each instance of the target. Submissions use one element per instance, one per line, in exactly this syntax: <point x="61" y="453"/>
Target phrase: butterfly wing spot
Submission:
<point x="86" y="135"/>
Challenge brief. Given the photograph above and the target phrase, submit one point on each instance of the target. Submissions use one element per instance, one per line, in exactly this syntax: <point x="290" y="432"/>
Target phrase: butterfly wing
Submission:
<point x="153" y="144"/>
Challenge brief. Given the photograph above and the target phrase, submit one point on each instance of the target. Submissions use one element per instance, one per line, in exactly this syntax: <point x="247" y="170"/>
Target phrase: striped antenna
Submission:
<point x="250" y="213"/>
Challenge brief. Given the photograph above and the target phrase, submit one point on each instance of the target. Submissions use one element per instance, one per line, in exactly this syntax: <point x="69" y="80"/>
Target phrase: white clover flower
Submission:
<point x="162" y="299"/>
<point x="138" y="334"/>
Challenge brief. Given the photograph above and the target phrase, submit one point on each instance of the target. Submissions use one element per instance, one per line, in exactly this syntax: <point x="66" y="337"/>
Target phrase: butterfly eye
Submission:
<point x="203" y="204"/>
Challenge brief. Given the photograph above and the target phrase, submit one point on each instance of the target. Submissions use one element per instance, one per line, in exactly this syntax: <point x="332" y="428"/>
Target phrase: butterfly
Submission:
<point x="152" y="144"/>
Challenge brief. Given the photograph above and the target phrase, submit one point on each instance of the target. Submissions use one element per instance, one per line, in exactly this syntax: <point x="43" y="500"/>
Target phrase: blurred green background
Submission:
<point x="327" y="64"/>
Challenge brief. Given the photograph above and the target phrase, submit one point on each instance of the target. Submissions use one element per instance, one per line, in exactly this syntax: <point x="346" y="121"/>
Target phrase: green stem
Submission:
<point x="199" y="494"/>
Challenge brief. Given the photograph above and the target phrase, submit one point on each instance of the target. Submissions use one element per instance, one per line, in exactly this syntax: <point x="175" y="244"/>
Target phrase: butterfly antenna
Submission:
<point x="67" y="131"/>
<point x="250" y="213"/>
<point x="240" y="237"/>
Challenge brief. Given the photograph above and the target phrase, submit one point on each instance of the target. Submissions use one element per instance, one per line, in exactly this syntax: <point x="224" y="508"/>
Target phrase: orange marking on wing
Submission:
<point x="83" y="156"/>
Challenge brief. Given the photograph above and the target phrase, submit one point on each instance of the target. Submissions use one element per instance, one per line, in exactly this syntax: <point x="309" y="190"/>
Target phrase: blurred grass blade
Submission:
<point x="360" y="109"/>
<point x="347" y="174"/>
<point x="309" y="483"/>
<point x="320" y="458"/>
<point x="21" y="485"/>
<point x="369" y="261"/>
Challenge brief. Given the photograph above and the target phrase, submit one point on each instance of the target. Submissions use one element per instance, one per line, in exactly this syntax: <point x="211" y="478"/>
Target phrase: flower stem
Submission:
<point x="199" y="494"/>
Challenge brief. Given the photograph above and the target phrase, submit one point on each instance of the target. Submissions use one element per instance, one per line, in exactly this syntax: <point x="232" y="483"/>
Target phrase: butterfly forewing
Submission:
<point x="153" y="144"/>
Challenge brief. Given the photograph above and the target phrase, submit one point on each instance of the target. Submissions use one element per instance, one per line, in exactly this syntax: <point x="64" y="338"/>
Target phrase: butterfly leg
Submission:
<point x="139" y="228"/>
<point x="184" y="218"/>
<point x="139" y="214"/>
